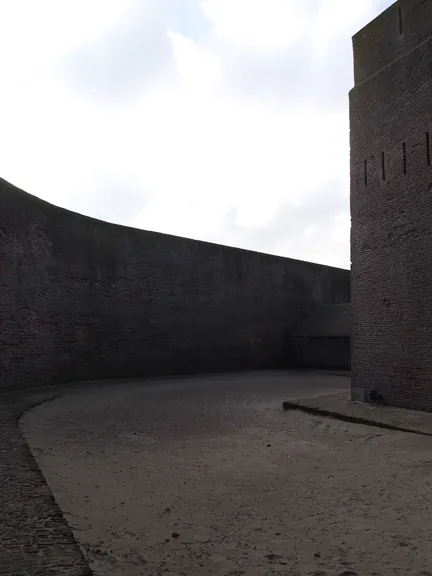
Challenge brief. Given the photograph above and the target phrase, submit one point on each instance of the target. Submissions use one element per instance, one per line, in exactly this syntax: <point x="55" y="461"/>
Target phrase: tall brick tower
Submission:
<point x="391" y="207"/>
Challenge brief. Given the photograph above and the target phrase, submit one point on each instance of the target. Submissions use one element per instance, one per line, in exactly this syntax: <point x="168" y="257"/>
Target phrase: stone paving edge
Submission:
<point x="35" y="538"/>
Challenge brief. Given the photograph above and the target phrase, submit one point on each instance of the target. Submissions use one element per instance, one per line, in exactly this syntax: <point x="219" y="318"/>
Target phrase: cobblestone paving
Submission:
<point x="35" y="539"/>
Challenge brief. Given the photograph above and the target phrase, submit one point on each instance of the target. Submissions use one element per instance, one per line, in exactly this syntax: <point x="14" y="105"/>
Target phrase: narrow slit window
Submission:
<point x="400" y="22"/>
<point x="365" y="173"/>
<point x="404" y="158"/>
<point x="428" y="150"/>
<point x="383" y="166"/>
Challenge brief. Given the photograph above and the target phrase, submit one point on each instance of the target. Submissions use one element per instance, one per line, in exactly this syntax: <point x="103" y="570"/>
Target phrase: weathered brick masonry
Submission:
<point x="391" y="206"/>
<point x="82" y="299"/>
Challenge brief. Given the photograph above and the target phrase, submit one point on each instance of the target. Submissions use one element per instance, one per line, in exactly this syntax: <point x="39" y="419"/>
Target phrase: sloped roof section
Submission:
<point x="328" y="321"/>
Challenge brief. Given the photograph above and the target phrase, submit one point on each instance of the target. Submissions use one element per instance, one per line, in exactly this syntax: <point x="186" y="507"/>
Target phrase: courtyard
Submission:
<point x="208" y="475"/>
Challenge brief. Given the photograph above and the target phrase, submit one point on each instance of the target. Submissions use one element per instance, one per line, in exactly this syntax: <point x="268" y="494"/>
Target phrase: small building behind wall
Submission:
<point x="323" y="339"/>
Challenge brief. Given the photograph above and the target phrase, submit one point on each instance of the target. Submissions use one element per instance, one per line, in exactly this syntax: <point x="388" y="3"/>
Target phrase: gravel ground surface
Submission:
<point x="210" y="476"/>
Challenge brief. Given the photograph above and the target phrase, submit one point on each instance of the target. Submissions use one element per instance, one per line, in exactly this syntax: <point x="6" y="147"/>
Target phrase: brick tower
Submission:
<point x="391" y="207"/>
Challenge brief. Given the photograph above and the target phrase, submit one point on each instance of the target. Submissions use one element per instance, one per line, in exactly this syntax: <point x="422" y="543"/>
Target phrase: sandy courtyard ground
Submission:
<point x="210" y="476"/>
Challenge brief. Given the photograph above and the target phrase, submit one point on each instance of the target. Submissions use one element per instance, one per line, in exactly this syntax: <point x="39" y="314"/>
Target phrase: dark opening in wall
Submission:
<point x="404" y="158"/>
<point x="383" y="165"/>
<point x="428" y="151"/>
<point x="400" y="21"/>
<point x="365" y="173"/>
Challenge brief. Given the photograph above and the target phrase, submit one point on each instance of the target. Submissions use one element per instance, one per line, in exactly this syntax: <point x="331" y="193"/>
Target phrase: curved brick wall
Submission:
<point x="83" y="299"/>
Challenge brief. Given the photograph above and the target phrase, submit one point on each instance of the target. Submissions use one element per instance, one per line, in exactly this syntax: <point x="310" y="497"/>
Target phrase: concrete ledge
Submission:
<point x="340" y="407"/>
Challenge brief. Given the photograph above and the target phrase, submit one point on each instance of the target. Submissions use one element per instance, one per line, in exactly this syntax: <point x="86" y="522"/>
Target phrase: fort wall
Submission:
<point x="83" y="299"/>
<point x="391" y="207"/>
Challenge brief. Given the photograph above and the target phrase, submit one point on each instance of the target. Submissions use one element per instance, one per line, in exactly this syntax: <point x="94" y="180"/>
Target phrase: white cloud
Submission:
<point x="192" y="150"/>
<point x="258" y="27"/>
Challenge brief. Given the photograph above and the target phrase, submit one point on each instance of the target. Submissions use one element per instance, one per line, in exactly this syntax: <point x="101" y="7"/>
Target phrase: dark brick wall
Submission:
<point x="83" y="299"/>
<point x="391" y="207"/>
<point x="399" y="29"/>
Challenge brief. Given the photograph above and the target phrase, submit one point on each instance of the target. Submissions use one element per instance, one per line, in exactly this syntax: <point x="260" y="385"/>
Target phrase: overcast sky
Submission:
<point x="221" y="120"/>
